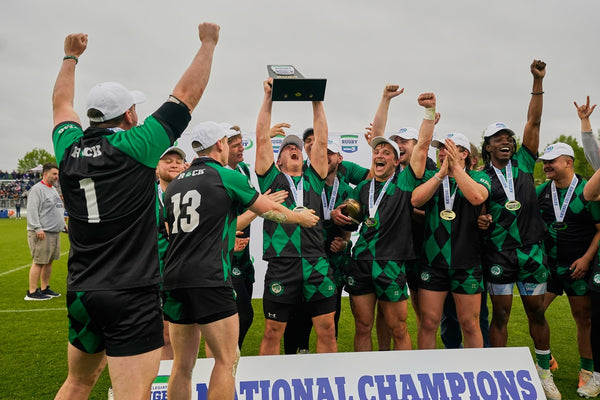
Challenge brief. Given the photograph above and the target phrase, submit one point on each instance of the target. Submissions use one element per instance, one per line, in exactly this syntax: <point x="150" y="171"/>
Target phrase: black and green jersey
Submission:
<point x="453" y="244"/>
<point x="163" y="235"/>
<point x="352" y="172"/>
<point x="565" y="246"/>
<point x="391" y="239"/>
<point x="242" y="264"/>
<point x="290" y="240"/>
<point x="108" y="180"/>
<point x="512" y="229"/>
<point x="202" y="207"/>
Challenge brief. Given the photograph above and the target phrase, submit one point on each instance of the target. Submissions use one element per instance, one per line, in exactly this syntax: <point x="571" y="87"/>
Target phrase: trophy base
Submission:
<point x="285" y="89"/>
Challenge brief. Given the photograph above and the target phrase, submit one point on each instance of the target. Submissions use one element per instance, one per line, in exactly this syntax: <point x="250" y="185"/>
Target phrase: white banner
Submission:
<point x="469" y="374"/>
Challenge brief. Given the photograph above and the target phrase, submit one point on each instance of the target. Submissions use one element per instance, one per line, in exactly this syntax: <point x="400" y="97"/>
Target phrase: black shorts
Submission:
<point x="455" y="280"/>
<point x="122" y="322"/>
<point x="292" y="280"/>
<point x="387" y="279"/>
<point x="199" y="305"/>
<point x="525" y="264"/>
<point x="282" y="312"/>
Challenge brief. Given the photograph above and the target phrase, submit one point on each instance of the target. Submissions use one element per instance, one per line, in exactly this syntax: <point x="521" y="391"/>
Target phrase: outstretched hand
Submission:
<point x="390" y="91"/>
<point x="277" y="129"/>
<point x="369" y="133"/>
<point x="584" y="111"/>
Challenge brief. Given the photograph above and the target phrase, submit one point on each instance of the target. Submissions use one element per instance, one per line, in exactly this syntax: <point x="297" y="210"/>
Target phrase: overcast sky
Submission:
<point x="474" y="55"/>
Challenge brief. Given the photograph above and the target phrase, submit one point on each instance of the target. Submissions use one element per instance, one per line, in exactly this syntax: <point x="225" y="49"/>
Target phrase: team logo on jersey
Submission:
<point x="329" y="290"/>
<point x="276" y="288"/>
<point x="236" y="271"/>
<point x="350" y="280"/>
<point x="425" y="276"/>
<point x="349" y="143"/>
<point x="596" y="279"/>
<point x="496" y="270"/>
<point x="247" y="142"/>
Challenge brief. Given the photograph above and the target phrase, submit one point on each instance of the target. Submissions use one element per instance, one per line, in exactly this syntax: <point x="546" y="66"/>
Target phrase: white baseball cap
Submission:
<point x="380" y="139"/>
<point x="174" y="149"/>
<point x="334" y="146"/>
<point x="112" y="99"/>
<point x="406" y="133"/>
<point x="458" y="138"/>
<point x="231" y="132"/>
<point x="556" y="150"/>
<point x="496" y="127"/>
<point x="206" y="134"/>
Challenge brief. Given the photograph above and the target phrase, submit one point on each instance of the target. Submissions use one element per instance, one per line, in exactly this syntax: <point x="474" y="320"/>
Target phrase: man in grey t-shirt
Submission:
<point x="45" y="221"/>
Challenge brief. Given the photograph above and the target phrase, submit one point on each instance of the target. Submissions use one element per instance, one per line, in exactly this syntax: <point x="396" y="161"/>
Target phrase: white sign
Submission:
<point x="469" y="374"/>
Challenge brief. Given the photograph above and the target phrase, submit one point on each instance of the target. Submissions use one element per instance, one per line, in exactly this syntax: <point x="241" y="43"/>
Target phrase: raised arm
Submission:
<point x="264" y="147"/>
<point x="193" y="82"/>
<point x="531" y="134"/>
<point x="418" y="159"/>
<point x="318" y="156"/>
<point x="64" y="88"/>
<point x="380" y="120"/>
<point x="591" y="149"/>
<point x="474" y="192"/>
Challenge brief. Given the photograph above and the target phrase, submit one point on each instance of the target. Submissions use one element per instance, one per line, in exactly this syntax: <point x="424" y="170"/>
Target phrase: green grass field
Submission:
<point x="33" y="337"/>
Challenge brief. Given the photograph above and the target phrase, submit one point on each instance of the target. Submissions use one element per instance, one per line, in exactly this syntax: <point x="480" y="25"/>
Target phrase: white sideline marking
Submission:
<point x="34" y="310"/>
<point x="25" y="266"/>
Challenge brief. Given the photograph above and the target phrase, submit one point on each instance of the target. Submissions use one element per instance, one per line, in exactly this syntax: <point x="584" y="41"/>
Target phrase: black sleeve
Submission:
<point x="174" y="118"/>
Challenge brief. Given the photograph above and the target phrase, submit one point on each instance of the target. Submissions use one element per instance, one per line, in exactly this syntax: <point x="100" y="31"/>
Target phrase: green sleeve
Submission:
<point x="265" y="181"/>
<point x="526" y="159"/>
<point x="65" y="135"/>
<point x="238" y="186"/>
<point x="481" y="178"/>
<point x="145" y="142"/>
<point x="407" y="180"/>
<point x="355" y="174"/>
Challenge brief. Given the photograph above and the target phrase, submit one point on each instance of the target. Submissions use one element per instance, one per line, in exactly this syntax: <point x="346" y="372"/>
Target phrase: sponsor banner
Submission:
<point x="473" y="374"/>
<point x="350" y="144"/>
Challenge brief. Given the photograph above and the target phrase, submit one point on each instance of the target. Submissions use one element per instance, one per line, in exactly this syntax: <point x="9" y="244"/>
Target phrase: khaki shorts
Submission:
<point x="44" y="251"/>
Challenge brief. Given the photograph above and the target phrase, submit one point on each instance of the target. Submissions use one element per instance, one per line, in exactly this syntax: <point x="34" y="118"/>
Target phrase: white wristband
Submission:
<point x="429" y="114"/>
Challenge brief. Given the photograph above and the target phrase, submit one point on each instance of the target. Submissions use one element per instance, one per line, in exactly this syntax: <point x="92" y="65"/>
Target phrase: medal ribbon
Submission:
<point x="561" y="211"/>
<point x="373" y="206"/>
<point x="507" y="184"/>
<point x="327" y="208"/>
<point x="448" y="200"/>
<point x="297" y="191"/>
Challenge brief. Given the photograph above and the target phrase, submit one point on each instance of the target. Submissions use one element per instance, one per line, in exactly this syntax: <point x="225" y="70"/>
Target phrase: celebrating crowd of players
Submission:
<point x="434" y="229"/>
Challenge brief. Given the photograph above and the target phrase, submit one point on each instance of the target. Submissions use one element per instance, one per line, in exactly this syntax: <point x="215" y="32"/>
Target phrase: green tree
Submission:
<point x="34" y="158"/>
<point x="580" y="165"/>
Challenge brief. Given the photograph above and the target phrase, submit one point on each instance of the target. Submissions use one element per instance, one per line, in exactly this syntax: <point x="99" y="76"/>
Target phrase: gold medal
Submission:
<point x="299" y="209"/>
<point x="512" y="205"/>
<point x="371" y="222"/>
<point x="447" y="215"/>
<point x="559" y="226"/>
